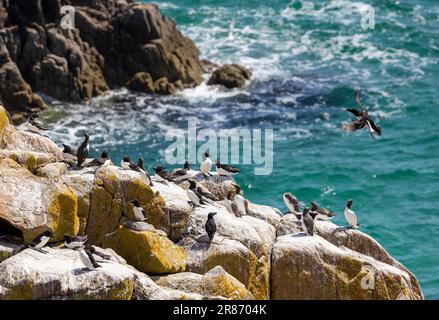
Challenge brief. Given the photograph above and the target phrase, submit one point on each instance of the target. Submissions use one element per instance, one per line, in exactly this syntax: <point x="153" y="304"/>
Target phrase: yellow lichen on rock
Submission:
<point x="147" y="251"/>
<point x="4" y="122"/>
<point x="63" y="211"/>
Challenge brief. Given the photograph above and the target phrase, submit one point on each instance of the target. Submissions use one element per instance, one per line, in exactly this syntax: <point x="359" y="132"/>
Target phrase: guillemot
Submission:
<point x="126" y="163"/>
<point x="206" y="164"/>
<point x="139" y="212"/>
<point x="350" y="215"/>
<point x="210" y="225"/>
<point x="194" y="196"/>
<point x="322" y="213"/>
<point x="308" y="222"/>
<point x="240" y="201"/>
<point x="87" y="259"/>
<point x="183" y="174"/>
<point x="83" y="150"/>
<point x="141" y="165"/>
<point x="230" y="204"/>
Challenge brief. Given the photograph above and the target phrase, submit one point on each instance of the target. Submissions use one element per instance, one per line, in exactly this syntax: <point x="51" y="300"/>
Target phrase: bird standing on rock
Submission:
<point x="241" y="202"/>
<point x="161" y="174"/>
<point x="83" y="150"/>
<point x="34" y="125"/>
<point x="126" y="163"/>
<point x="141" y="165"/>
<point x="87" y="259"/>
<point x="308" y="222"/>
<point x="139" y="212"/>
<point x="69" y="150"/>
<point x="210" y="225"/>
<point x="41" y="240"/>
<point x="230" y="204"/>
<point x="350" y="215"/>
<point x="206" y="164"/>
<point x="104" y="160"/>
<point x="194" y="196"/>
<point x="322" y="213"/>
<point x="183" y="174"/>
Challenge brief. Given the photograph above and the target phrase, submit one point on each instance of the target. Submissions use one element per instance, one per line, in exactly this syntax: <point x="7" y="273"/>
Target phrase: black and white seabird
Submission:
<point x="41" y="240"/>
<point x="126" y="163"/>
<point x="308" y="222"/>
<point x="225" y="169"/>
<point x="350" y="215"/>
<point x="210" y="225"/>
<point x="194" y="196"/>
<point x="183" y="174"/>
<point x="206" y="164"/>
<point x="139" y="212"/>
<point x="230" y="204"/>
<point x="87" y="259"/>
<point x="83" y="150"/>
<point x="104" y="160"/>
<point x="73" y="242"/>
<point x="363" y="120"/>
<point x="322" y="213"/>
<point x="292" y="204"/>
<point x="141" y="165"/>
<point x="69" y="150"/>
<point x="241" y="202"/>
<point x="34" y="125"/>
<point x="206" y="194"/>
<point x="161" y="174"/>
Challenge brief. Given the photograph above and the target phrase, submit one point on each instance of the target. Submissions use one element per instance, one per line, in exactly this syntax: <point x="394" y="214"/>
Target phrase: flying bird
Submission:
<point x="363" y="119"/>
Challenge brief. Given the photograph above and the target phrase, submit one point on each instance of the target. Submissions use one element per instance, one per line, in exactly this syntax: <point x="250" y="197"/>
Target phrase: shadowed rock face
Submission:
<point x="112" y="41"/>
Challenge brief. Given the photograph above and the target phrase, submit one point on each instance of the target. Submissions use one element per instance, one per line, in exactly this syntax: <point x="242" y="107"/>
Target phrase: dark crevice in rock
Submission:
<point x="9" y="229"/>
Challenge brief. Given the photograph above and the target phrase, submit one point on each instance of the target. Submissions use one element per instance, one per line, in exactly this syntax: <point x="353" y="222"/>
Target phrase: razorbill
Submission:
<point x="363" y="119"/>
<point x="73" y="242"/>
<point x="210" y="225"/>
<point x="69" y="150"/>
<point x="206" y="164"/>
<point x="182" y="174"/>
<point x="41" y="240"/>
<point x="104" y="160"/>
<point x="225" y="169"/>
<point x="83" y="150"/>
<point x="230" y="204"/>
<point x="34" y="125"/>
<point x="350" y="215"/>
<point x="308" y="222"/>
<point x="206" y="194"/>
<point x="126" y="163"/>
<point x="240" y="201"/>
<point x="292" y="204"/>
<point x="161" y="174"/>
<point x="322" y="213"/>
<point x="87" y="259"/>
<point x="139" y="212"/>
<point x="194" y="196"/>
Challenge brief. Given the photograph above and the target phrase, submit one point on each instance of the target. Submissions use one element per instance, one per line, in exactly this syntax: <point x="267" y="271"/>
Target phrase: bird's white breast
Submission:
<point x="351" y="217"/>
<point x="193" y="197"/>
<point x="138" y="213"/>
<point x="240" y="203"/>
<point x="85" y="260"/>
<point x="43" y="242"/>
<point x="206" y="166"/>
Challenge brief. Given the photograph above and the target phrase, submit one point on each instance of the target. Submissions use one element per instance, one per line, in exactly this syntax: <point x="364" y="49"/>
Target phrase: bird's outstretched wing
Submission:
<point x="353" y="126"/>
<point x="355" y="112"/>
<point x="357" y="99"/>
<point x="375" y="127"/>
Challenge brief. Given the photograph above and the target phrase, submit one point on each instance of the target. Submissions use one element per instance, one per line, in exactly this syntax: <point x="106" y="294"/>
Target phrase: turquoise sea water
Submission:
<point x="307" y="57"/>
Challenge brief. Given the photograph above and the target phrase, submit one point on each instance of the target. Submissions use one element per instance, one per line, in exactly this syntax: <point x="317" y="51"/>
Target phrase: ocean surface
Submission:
<point x="307" y="57"/>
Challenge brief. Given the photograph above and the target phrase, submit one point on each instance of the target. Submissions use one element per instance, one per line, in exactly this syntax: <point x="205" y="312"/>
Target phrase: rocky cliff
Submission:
<point x="261" y="255"/>
<point x="111" y="42"/>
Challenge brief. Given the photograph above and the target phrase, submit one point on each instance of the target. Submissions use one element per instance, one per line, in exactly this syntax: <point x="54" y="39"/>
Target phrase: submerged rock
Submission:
<point x="230" y="76"/>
